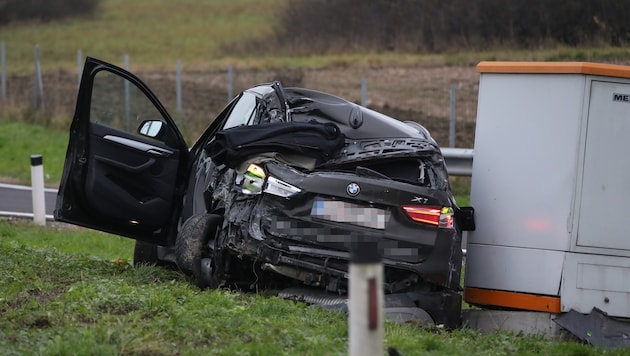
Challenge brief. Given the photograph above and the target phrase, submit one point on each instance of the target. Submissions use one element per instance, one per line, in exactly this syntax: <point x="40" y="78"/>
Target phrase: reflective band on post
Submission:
<point x="373" y="292"/>
<point x="515" y="300"/>
<point x="365" y="303"/>
<point x="37" y="160"/>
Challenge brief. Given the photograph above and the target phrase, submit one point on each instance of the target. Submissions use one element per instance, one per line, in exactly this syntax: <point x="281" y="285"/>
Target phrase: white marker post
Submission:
<point x="366" y="301"/>
<point x="37" y="183"/>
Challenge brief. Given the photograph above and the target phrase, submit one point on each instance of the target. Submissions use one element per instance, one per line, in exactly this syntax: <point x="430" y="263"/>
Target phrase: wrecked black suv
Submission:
<point x="276" y="193"/>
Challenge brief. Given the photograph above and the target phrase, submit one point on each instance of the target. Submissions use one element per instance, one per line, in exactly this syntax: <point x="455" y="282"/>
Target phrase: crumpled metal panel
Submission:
<point x="596" y="328"/>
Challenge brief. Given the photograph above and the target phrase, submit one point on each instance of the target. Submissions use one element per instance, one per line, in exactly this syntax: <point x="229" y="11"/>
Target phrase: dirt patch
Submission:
<point x="419" y="94"/>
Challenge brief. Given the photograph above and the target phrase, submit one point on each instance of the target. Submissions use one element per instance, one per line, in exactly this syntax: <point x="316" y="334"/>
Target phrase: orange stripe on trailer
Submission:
<point x="607" y="70"/>
<point x="512" y="300"/>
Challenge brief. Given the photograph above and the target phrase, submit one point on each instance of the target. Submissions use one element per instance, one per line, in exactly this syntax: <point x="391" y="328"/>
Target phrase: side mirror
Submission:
<point x="467" y="218"/>
<point x="152" y="128"/>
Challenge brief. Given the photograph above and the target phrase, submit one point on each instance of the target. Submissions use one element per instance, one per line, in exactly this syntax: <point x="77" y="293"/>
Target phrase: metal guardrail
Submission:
<point x="458" y="161"/>
<point x="14" y="214"/>
<point x="16" y="201"/>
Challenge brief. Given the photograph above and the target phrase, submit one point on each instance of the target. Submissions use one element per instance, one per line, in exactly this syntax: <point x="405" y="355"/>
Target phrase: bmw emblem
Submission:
<point x="353" y="189"/>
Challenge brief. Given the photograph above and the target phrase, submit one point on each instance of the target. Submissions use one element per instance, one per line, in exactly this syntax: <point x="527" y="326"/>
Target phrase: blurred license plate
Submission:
<point x="341" y="211"/>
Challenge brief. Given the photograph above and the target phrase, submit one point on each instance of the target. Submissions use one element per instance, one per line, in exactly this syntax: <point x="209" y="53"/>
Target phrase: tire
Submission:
<point x="145" y="253"/>
<point x="195" y="232"/>
<point x="205" y="275"/>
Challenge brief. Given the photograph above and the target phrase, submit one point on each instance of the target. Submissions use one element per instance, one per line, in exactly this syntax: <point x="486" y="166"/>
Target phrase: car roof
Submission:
<point x="355" y="121"/>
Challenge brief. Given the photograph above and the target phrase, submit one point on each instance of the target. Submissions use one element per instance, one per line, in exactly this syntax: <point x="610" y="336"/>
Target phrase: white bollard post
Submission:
<point x="37" y="183"/>
<point x="366" y="301"/>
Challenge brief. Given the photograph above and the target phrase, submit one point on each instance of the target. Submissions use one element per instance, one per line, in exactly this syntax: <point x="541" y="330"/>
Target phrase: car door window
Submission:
<point x="119" y="104"/>
<point x="243" y="112"/>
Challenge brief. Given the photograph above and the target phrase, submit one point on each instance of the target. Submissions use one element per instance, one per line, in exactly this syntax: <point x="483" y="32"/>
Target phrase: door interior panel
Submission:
<point x="118" y="176"/>
<point x="130" y="178"/>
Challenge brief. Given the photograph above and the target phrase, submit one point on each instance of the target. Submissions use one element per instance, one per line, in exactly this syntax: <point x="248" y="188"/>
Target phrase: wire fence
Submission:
<point x="442" y="98"/>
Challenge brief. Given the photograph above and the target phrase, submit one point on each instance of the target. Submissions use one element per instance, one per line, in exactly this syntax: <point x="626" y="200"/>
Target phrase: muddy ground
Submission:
<point x="408" y="93"/>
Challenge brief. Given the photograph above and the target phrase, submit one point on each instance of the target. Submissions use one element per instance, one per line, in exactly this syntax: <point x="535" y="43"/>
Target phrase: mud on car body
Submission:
<point x="276" y="193"/>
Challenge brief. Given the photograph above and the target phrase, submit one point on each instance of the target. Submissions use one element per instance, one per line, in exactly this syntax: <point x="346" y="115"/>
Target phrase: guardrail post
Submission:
<point x="37" y="183"/>
<point x="365" y="303"/>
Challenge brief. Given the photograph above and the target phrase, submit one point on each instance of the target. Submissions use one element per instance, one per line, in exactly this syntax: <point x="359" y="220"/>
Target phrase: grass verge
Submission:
<point x="19" y="140"/>
<point x="57" y="298"/>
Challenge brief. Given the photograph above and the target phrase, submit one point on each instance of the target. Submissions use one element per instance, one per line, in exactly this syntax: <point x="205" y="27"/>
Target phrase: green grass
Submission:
<point x="70" y="239"/>
<point x="19" y="140"/>
<point x="58" y="298"/>
<point x="460" y="186"/>
<point x="154" y="33"/>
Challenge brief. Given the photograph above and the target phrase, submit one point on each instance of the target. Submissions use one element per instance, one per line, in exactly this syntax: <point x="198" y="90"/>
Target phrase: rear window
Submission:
<point x="243" y="112"/>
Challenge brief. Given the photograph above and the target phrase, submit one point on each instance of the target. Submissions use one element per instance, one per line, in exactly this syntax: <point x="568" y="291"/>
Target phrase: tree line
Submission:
<point x="44" y="10"/>
<point x="316" y="26"/>
<point x="440" y="25"/>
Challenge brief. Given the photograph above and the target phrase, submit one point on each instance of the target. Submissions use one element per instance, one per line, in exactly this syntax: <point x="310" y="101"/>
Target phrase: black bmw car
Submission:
<point x="276" y="193"/>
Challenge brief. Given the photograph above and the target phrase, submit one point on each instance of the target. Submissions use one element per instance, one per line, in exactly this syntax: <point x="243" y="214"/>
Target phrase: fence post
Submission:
<point x="365" y="303"/>
<point x="39" y="86"/>
<point x="363" y="92"/>
<point x="37" y="184"/>
<point x="3" y="59"/>
<point x="451" y="130"/>
<point x="179" y="87"/>
<point x="230" y="83"/>
<point x="79" y="66"/>
<point x="127" y="98"/>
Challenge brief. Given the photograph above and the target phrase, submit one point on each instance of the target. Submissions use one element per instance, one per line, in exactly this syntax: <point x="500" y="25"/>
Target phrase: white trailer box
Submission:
<point x="551" y="188"/>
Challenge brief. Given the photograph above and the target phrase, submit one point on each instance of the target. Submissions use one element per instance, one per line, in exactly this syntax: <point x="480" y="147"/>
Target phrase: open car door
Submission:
<point x="125" y="167"/>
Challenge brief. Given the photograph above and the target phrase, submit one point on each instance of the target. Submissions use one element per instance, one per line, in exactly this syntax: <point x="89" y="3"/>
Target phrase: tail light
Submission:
<point x="432" y="215"/>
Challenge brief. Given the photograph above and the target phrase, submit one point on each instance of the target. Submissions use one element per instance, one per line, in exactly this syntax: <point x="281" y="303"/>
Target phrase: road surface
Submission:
<point x="16" y="200"/>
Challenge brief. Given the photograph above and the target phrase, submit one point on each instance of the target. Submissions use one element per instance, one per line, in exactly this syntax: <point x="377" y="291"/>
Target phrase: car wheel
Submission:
<point x="195" y="232"/>
<point x="205" y="274"/>
<point x="145" y="253"/>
